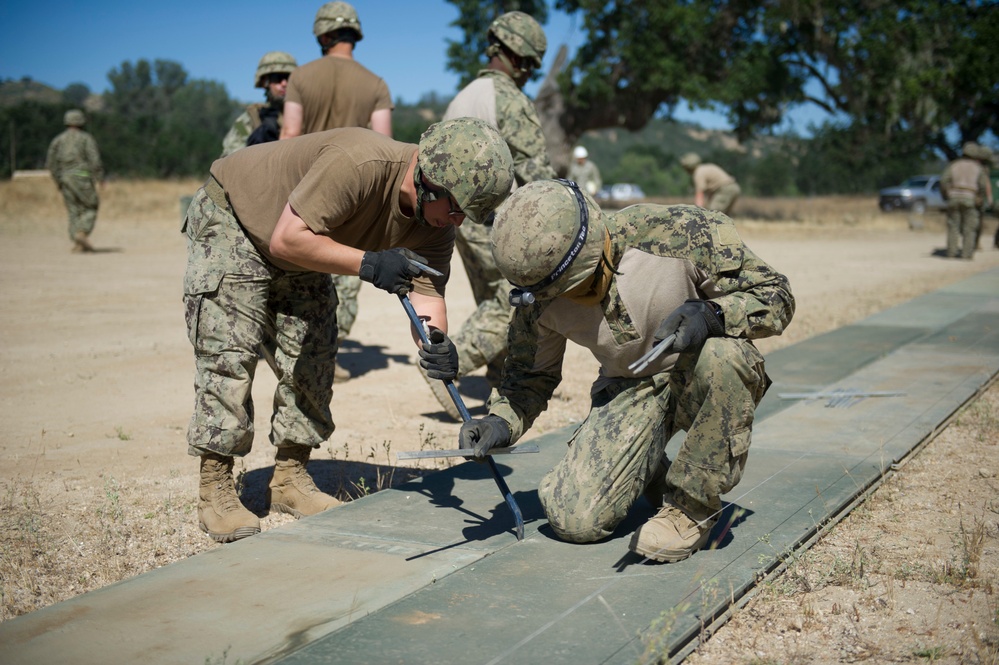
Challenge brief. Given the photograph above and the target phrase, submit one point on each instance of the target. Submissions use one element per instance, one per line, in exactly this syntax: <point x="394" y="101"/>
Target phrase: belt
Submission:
<point x="213" y="188"/>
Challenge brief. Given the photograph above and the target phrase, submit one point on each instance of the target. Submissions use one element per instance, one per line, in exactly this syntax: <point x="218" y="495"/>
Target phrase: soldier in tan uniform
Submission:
<point x="516" y="47"/>
<point x="714" y="189"/>
<point x="262" y="243"/>
<point x="965" y="186"/>
<point x="261" y="123"/>
<point x="617" y="285"/>
<point x="75" y="164"/>
<point x="337" y="91"/>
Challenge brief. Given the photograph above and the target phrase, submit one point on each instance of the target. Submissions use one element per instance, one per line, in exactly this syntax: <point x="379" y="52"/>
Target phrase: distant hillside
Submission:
<point x="14" y="92"/>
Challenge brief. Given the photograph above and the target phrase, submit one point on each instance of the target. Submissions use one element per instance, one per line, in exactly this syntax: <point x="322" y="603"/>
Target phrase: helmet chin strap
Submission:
<point x="421" y="193"/>
<point x="523" y="296"/>
<point x="519" y="74"/>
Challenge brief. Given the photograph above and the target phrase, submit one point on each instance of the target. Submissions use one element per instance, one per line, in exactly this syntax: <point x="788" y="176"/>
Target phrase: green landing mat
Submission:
<point x="432" y="572"/>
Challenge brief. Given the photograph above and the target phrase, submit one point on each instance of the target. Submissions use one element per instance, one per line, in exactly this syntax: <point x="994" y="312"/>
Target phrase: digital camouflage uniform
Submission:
<point x="237" y="295"/>
<point x="75" y="165"/>
<point x="227" y="274"/>
<point x="247" y="121"/>
<point x="711" y="394"/>
<point x="482" y="338"/>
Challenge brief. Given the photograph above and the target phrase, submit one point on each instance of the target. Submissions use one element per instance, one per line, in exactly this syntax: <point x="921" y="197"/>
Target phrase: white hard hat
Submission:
<point x="580" y="152"/>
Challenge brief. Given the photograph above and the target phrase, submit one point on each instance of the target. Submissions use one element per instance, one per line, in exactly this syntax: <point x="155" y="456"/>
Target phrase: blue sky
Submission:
<point x="59" y="43"/>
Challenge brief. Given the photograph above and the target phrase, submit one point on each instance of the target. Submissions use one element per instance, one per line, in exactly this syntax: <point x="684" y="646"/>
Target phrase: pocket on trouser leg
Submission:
<point x="198" y="284"/>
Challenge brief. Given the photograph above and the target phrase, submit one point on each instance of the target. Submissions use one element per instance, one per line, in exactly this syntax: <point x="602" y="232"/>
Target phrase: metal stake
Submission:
<point x="465" y="417"/>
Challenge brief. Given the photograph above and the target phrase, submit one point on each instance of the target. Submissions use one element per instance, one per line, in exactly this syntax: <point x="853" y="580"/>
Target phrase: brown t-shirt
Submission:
<point x="336" y="92"/>
<point x="344" y="184"/>
<point x="709" y="177"/>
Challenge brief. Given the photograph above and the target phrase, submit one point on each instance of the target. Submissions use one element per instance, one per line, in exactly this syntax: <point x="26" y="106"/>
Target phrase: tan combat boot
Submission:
<point x="673" y="534"/>
<point x="82" y="243"/>
<point x="220" y="513"/>
<point x="292" y="489"/>
<point x="340" y="373"/>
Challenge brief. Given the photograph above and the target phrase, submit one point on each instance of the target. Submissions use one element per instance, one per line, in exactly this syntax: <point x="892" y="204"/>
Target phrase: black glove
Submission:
<point x="692" y="323"/>
<point x="390" y="270"/>
<point x="267" y="131"/>
<point x="484" y="434"/>
<point x="440" y="357"/>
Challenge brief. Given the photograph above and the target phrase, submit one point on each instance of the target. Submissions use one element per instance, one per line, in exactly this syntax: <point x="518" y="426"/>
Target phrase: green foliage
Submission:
<point x="910" y="69"/>
<point x="155" y="122"/>
<point x="848" y="160"/>
<point x="30" y="126"/>
<point x="410" y="121"/>
<point x="75" y="94"/>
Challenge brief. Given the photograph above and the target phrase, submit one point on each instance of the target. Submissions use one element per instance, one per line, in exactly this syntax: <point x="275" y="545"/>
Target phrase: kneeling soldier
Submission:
<point x="617" y="285"/>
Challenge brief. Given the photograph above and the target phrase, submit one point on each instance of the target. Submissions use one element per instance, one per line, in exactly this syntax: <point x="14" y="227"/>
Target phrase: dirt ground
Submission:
<point x="96" y="484"/>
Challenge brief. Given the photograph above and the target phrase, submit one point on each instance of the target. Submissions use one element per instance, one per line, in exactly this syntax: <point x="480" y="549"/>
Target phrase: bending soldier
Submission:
<point x="617" y="285"/>
<point x="714" y="189"/>
<point x="262" y="243"/>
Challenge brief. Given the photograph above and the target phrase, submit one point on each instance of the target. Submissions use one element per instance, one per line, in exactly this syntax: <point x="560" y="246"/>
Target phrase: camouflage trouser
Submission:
<point x="963" y="220"/>
<point x="347" y="288"/>
<point x="724" y="198"/>
<point x="482" y="339"/>
<point x="81" y="199"/>
<point x="235" y="301"/>
<point x="617" y="450"/>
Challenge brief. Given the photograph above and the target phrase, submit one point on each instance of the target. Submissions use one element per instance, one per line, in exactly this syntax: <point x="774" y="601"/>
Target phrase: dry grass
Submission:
<point x="59" y="539"/>
<point x="25" y="204"/>
<point x="909" y="576"/>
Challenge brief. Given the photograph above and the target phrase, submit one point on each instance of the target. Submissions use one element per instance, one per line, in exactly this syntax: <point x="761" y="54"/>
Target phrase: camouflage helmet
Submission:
<point x="970" y="149"/>
<point x="548" y="238"/>
<point x="274" y="62"/>
<point x="690" y="161"/>
<point x="336" y="16"/>
<point x="520" y="33"/>
<point x="74" y="118"/>
<point x="468" y="158"/>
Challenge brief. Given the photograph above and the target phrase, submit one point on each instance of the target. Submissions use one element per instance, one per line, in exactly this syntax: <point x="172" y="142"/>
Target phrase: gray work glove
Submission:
<point x="391" y="269"/>
<point x="692" y="323"/>
<point x="440" y="357"/>
<point x="484" y="434"/>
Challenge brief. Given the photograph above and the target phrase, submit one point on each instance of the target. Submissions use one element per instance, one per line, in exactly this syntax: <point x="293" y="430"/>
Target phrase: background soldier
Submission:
<point x="516" y="47"/>
<point x="261" y="246"/>
<point x="337" y="91"/>
<point x="584" y="172"/>
<point x="617" y="286"/>
<point x="965" y="186"/>
<point x="711" y="183"/>
<point x="75" y="165"/>
<point x="261" y="123"/>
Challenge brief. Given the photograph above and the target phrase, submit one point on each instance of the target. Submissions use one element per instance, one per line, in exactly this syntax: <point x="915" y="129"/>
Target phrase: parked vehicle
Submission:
<point x="918" y="194"/>
<point x="622" y="192"/>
